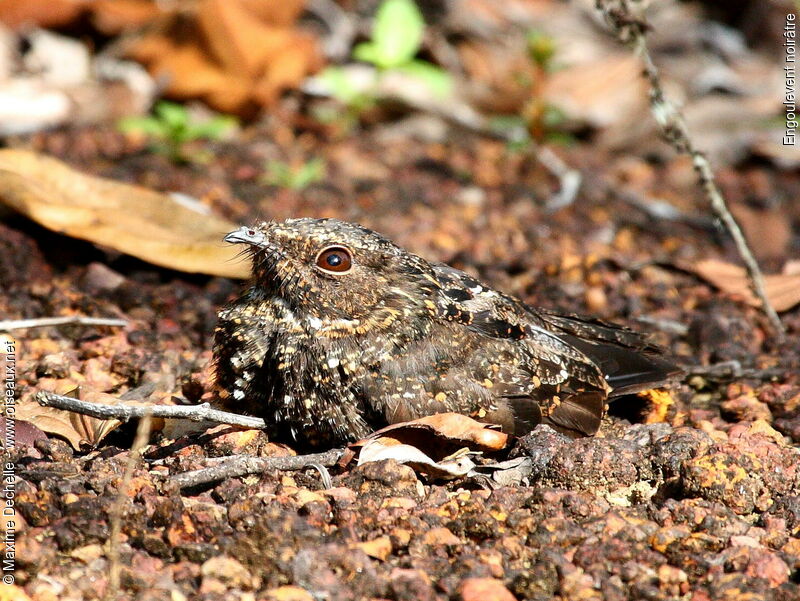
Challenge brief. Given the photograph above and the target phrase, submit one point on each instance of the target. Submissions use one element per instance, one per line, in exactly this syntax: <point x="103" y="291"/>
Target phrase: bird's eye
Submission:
<point x="251" y="232"/>
<point x="335" y="259"/>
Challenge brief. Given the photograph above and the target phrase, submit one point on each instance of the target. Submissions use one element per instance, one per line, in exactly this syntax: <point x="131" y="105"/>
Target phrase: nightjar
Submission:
<point x="343" y="332"/>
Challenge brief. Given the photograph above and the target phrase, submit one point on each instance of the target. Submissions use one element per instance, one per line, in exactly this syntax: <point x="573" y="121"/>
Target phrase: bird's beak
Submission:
<point x="245" y="235"/>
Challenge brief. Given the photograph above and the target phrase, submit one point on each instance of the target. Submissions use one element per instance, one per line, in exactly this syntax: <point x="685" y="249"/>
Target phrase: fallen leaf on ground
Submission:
<point x="452" y="428"/>
<point x="75" y="428"/>
<point x="143" y="223"/>
<point x="234" y="54"/>
<point x="439" y="445"/>
<point x="79" y="430"/>
<point x="782" y="290"/>
<point x="453" y="466"/>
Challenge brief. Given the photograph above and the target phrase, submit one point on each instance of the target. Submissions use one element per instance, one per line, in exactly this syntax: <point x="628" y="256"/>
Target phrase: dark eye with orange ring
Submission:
<point x="335" y="259"/>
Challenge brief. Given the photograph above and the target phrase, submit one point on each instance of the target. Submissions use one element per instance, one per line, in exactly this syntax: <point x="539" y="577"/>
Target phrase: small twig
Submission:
<point x="41" y="322"/>
<point x="660" y="210"/>
<point x="242" y="465"/>
<point x="195" y="413"/>
<point x="733" y="370"/>
<point x="665" y="325"/>
<point x="569" y="179"/>
<point x="632" y="27"/>
<point x="142" y="436"/>
<point x="324" y="475"/>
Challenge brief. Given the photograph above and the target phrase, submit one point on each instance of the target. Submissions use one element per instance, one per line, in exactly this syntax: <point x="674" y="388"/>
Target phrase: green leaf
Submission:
<point x="283" y="175"/>
<point x="213" y="129"/>
<point x="149" y="126"/>
<point x="542" y="48"/>
<point x="335" y="79"/>
<point x="367" y="52"/>
<point x="438" y="81"/>
<point x="396" y="35"/>
<point x="176" y="116"/>
<point x="312" y="172"/>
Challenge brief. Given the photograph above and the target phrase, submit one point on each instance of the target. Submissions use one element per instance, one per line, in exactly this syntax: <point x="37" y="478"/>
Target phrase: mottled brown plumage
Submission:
<point x="343" y="332"/>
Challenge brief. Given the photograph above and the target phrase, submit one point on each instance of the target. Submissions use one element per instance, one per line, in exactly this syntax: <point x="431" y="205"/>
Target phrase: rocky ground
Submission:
<point x="694" y="495"/>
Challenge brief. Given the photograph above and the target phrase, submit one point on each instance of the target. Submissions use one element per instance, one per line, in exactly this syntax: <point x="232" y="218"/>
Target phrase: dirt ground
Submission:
<point x="697" y="498"/>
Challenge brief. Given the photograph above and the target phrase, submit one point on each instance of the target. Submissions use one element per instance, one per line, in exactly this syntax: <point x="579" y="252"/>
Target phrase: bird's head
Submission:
<point x="332" y="270"/>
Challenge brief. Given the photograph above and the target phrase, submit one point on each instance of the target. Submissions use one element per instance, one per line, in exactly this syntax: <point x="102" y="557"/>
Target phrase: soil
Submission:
<point x="698" y="499"/>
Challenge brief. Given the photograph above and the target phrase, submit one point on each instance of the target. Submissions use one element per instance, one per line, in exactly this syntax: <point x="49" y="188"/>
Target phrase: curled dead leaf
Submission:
<point x="438" y="444"/>
<point x="455" y="465"/>
<point x="131" y="219"/>
<point x="783" y="290"/>
<point x="457" y="428"/>
<point x="79" y="430"/>
<point x="236" y="55"/>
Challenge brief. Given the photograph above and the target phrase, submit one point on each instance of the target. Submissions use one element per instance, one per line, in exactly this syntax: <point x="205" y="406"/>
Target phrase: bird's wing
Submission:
<point x="580" y="360"/>
<point x="465" y="300"/>
<point x="555" y="383"/>
<point x="628" y="360"/>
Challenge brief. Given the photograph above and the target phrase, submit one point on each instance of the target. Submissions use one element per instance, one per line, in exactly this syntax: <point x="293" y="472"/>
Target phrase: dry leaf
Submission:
<point x="453" y="428"/>
<point x="234" y="54"/>
<point x="600" y="93"/>
<point x="134" y="220"/>
<point x="453" y="466"/>
<point x="783" y="290"/>
<point x="25" y="433"/>
<point x="79" y="430"/>
<point x="52" y="13"/>
<point x="439" y="445"/>
<point x="51" y="420"/>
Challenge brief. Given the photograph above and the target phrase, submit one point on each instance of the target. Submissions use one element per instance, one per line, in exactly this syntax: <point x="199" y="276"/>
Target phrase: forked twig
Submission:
<point x="631" y="27"/>
<point x="227" y="467"/>
<point x="42" y="322"/>
<point x="195" y="413"/>
<point x="242" y="465"/>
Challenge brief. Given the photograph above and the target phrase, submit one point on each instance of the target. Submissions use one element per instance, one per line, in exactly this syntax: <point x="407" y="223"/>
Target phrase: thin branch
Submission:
<point x="632" y="27"/>
<point x="242" y="465"/>
<point x="195" y="413"/>
<point x="569" y="179"/>
<point x="733" y="370"/>
<point x="79" y="320"/>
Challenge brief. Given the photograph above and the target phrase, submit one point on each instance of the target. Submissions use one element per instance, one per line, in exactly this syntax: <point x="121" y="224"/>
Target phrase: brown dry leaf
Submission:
<point x="783" y="290"/>
<point x="52" y="421"/>
<point x="79" y="430"/>
<point x="455" y="465"/>
<point x="600" y="93"/>
<point x="75" y="428"/>
<point x="234" y="54"/>
<point x="436" y="432"/>
<point x="134" y="220"/>
<point x="43" y="13"/>
<point x="460" y="428"/>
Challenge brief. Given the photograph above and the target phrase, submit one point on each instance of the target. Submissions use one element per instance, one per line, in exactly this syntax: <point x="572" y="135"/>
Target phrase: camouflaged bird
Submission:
<point x="343" y="332"/>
